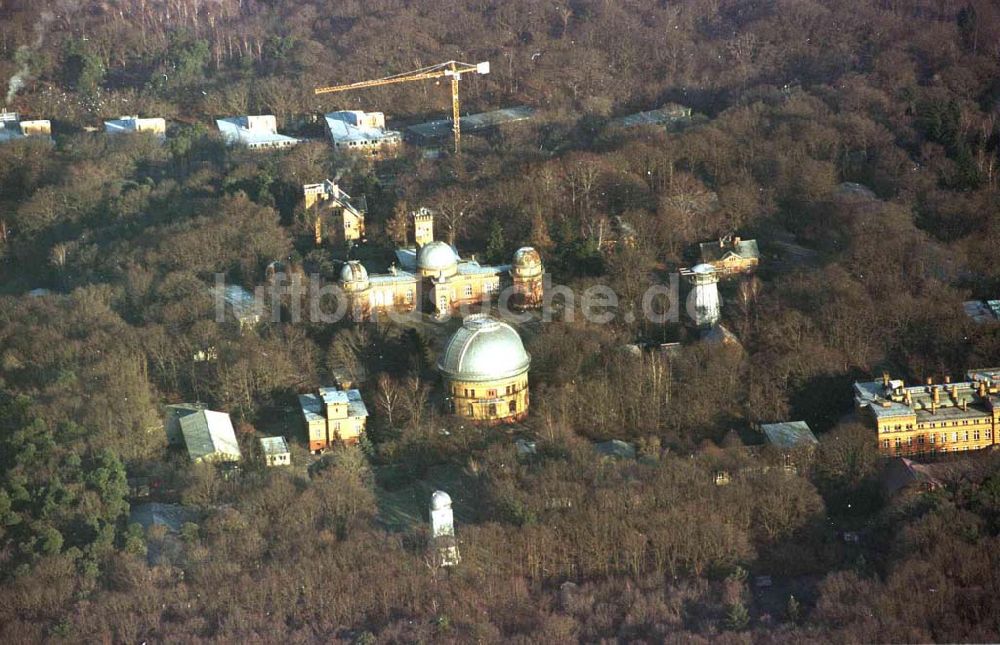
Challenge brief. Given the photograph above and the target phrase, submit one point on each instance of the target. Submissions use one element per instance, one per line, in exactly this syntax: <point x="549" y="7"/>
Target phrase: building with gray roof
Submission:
<point x="133" y="124"/>
<point x="257" y="132"/>
<point x="441" y="128"/>
<point x="275" y="451"/>
<point x="209" y="437"/>
<point x="354" y="131"/>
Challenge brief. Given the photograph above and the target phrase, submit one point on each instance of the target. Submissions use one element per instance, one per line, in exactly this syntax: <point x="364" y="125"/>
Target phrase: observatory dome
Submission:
<point x="354" y="275"/>
<point x="440" y="500"/>
<point x="436" y="256"/>
<point x="484" y="349"/>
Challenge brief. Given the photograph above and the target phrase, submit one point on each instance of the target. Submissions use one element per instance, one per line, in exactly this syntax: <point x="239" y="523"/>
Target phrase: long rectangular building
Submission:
<point x="932" y="418"/>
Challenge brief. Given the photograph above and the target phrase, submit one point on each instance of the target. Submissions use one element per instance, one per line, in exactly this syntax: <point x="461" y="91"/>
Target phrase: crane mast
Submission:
<point x="452" y="68"/>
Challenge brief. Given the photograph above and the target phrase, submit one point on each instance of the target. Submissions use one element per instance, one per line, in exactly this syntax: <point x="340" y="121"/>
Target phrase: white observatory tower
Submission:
<point x="703" y="301"/>
<point x="443" y="530"/>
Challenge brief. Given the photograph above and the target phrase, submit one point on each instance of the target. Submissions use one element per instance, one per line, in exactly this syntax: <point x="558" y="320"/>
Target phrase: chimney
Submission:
<point x="954" y="392"/>
<point x="736" y="241"/>
<point x="930" y="380"/>
<point x="947" y="379"/>
<point x="885" y="379"/>
<point x="936" y="395"/>
<point x="907" y="398"/>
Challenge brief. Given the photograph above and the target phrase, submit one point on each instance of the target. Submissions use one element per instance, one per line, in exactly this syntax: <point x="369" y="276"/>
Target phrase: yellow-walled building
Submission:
<point x="933" y="418"/>
<point x="485" y="371"/>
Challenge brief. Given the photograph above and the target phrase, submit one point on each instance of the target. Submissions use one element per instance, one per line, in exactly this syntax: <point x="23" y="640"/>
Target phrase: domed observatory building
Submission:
<point x="368" y="295"/>
<point x="527" y="274"/>
<point x="703" y="301"/>
<point x="485" y="372"/>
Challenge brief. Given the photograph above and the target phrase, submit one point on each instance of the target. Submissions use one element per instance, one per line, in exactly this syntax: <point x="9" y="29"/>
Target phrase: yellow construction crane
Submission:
<point x="452" y="68"/>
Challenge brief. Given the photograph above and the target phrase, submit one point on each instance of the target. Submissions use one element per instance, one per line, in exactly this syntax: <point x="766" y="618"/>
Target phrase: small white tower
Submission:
<point x="703" y="301"/>
<point x="443" y="542"/>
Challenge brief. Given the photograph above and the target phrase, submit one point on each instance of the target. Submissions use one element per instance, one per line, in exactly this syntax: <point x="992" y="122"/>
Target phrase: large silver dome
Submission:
<point x="436" y="256"/>
<point x="484" y="349"/>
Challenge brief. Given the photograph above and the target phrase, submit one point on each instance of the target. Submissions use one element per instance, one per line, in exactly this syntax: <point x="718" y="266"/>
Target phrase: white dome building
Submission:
<point x="354" y="276"/>
<point x="437" y="260"/>
<point x="703" y="301"/>
<point x="485" y="371"/>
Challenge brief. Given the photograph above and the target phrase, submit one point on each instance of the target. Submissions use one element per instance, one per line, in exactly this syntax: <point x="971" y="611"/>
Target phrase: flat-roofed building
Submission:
<point x="357" y="132"/>
<point x="209" y="437"/>
<point x="333" y="414"/>
<point x="13" y="128"/>
<point x="932" y="418"/>
<point x="257" y="132"/>
<point x="275" y="451"/>
<point x="132" y="124"/>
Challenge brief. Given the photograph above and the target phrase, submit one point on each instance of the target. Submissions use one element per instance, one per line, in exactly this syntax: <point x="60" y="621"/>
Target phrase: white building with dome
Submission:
<point x="484" y="367"/>
<point x="443" y="530"/>
<point x="703" y="301"/>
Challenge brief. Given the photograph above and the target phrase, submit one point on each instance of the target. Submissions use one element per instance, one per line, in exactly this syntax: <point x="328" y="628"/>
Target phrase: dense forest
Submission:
<point x="864" y="134"/>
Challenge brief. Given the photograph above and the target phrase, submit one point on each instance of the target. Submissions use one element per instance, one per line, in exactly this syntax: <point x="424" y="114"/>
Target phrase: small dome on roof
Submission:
<point x="484" y="349"/>
<point x="527" y="256"/>
<point x="436" y="256"/>
<point x="353" y="271"/>
<point x="440" y="500"/>
<point x="703" y="268"/>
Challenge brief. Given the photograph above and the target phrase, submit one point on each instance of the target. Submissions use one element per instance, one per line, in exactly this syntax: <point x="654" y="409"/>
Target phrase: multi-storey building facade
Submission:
<point x="331" y="414"/>
<point x="434" y="278"/>
<point x="326" y="201"/>
<point x="933" y="418"/>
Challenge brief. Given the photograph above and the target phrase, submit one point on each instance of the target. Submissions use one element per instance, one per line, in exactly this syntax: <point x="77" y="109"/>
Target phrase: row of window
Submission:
<point x="944" y="438"/>
<point x="470" y="393"/>
<point x="935" y="424"/>
<point x="491" y="409"/>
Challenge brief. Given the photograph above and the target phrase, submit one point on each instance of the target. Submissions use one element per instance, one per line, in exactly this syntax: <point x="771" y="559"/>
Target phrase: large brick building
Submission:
<point x="932" y="418"/>
<point x="433" y="277"/>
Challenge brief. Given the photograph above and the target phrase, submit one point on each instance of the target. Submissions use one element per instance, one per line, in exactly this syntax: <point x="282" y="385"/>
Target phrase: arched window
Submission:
<point x="513" y="407"/>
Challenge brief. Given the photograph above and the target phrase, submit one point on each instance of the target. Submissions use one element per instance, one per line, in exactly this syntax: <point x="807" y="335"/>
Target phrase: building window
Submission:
<point x="954" y="437"/>
<point x="975" y="435"/>
<point x="966" y="435"/>
<point x="920" y="440"/>
<point x="471" y="411"/>
<point x="899" y="442"/>
<point x="512" y="407"/>
<point x="409" y="296"/>
<point x="493" y="409"/>
<point x="885" y="444"/>
<point x="933" y="439"/>
<point x="468" y="291"/>
<point x="491" y="394"/>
